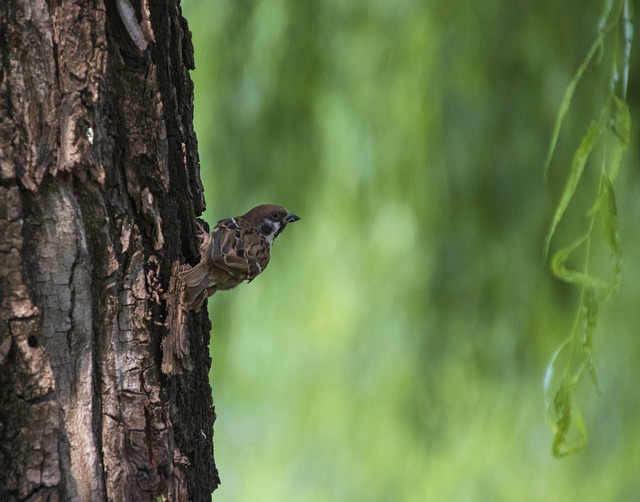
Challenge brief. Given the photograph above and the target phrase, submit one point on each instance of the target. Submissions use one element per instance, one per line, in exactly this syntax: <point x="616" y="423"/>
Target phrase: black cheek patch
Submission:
<point x="266" y="229"/>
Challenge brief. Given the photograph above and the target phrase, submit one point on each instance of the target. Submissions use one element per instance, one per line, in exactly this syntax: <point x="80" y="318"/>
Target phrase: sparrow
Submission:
<point x="238" y="249"/>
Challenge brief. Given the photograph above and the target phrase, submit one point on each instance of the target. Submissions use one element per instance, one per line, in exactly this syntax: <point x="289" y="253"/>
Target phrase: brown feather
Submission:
<point x="195" y="280"/>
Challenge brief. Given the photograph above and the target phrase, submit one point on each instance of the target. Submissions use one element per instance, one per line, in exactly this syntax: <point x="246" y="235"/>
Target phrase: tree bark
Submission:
<point x="99" y="185"/>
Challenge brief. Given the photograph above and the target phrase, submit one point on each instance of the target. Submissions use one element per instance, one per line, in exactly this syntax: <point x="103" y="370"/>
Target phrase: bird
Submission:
<point x="237" y="250"/>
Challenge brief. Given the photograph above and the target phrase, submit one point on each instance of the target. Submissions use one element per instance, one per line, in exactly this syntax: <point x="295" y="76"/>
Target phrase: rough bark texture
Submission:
<point x="99" y="184"/>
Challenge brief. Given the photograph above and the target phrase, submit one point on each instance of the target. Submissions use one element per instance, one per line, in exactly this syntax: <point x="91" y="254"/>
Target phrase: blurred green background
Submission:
<point x="396" y="347"/>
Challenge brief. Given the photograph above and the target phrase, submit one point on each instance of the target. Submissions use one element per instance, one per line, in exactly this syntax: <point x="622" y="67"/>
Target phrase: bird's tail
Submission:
<point x="196" y="280"/>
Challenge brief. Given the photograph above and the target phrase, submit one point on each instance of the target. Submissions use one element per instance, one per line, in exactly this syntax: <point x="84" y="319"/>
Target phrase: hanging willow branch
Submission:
<point x="610" y="132"/>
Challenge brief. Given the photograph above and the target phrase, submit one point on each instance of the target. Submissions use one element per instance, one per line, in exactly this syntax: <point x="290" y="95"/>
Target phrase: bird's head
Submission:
<point x="270" y="220"/>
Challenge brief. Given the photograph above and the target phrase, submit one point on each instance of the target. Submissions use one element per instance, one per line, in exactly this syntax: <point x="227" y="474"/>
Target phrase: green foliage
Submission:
<point x="612" y="126"/>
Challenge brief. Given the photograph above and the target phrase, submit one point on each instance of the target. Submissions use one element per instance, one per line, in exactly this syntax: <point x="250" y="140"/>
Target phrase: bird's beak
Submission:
<point x="290" y="218"/>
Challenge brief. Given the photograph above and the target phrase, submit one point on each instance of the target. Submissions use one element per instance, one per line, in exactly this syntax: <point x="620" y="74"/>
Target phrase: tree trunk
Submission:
<point x="99" y="184"/>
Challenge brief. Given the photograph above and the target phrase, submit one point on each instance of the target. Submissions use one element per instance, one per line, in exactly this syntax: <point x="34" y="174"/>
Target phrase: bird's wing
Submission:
<point x="239" y="248"/>
<point x="258" y="255"/>
<point x="228" y="250"/>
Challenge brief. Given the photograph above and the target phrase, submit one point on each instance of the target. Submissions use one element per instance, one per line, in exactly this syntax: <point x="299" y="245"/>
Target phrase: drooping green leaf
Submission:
<point x="590" y="304"/>
<point x="577" y="168"/>
<point x="609" y="218"/>
<point x="560" y="416"/>
<point x="569" y="430"/>
<point x="560" y="270"/>
<point x="556" y="376"/>
<point x="621" y="126"/>
<point x="568" y="96"/>
<point x="621" y="120"/>
<point x="557" y="371"/>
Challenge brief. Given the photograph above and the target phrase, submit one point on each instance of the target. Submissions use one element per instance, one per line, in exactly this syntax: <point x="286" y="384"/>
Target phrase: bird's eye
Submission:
<point x="275" y="215"/>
